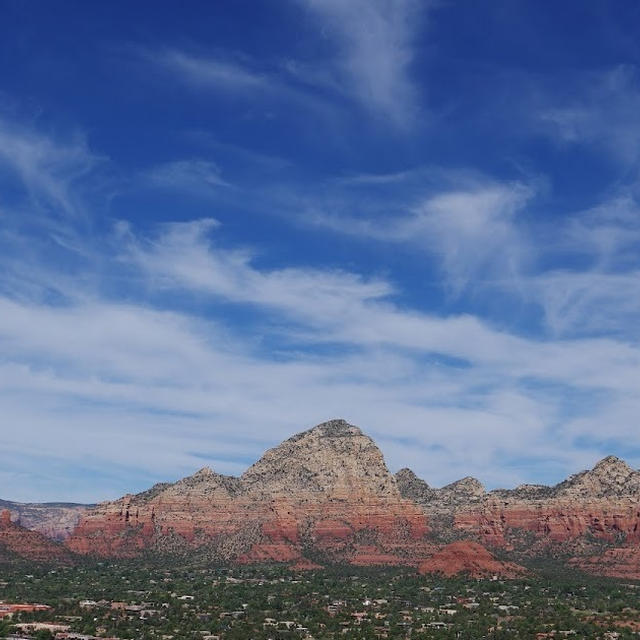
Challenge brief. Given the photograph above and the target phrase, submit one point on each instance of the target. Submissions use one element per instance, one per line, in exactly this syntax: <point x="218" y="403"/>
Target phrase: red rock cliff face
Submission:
<point x="16" y="542"/>
<point x="54" y="520"/>
<point x="579" y="515"/>
<point x="553" y="520"/>
<point x="603" y="504"/>
<point x="325" y="493"/>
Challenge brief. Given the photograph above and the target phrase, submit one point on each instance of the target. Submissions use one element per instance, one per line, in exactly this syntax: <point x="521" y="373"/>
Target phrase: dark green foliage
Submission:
<point x="238" y="603"/>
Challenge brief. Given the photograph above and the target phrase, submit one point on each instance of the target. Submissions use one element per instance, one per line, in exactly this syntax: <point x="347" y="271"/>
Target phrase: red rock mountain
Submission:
<point x="18" y="543"/>
<point x="323" y="495"/>
<point x="591" y="510"/>
<point x="326" y="495"/>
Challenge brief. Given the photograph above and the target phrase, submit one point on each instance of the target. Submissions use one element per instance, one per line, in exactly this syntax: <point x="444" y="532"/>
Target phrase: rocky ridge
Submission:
<point x="326" y="496"/>
<point x="591" y="509"/>
<point x="460" y="493"/>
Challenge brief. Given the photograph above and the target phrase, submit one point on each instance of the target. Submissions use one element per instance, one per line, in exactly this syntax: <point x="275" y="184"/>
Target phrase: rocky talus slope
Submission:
<point x="18" y="543"/>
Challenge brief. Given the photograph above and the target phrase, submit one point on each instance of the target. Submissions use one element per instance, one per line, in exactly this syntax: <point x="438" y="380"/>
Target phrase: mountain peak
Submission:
<point x="413" y="487"/>
<point x="332" y="458"/>
<point x="612" y="463"/>
<point x="468" y="485"/>
<point x="336" y="428"/>
<point x="610" y="477"/>
<point x="407" y="474"/>
<point x="203" y="473"/>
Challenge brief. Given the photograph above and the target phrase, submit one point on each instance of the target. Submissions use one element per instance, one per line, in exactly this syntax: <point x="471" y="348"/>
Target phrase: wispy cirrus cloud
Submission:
<point x="602" y="108"/>
<point x="269" y="84"/>
<point x="183" y="379"/>
<point x="211" y="72"/>
<point x="49" y="170"/>
<point x="207" y="350"/>
<point x="374" y="50"/>
<point x="472" y="230"/>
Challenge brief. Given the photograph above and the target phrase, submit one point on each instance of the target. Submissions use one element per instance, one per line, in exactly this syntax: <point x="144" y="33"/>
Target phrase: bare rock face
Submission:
<point x="414" y="488"/>
<point x="330" y="460"/>
<point x="461" y="493"/>
<point x="18" y="543"/>
<point x="602" y="503"/>
<point x="323" y="494"/>
<point x="55" y="520"/>
<point x="469" y="558"/>
<point x="611" y="478"/>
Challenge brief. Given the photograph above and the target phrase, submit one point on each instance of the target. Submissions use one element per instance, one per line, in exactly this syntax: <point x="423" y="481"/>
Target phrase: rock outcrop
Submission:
<point x="469" y="558"/>
<point x="18" y="543"/>
<point x="576" y="517"/>
<point x="460" y="493"/>
<point x="602" y="503"/>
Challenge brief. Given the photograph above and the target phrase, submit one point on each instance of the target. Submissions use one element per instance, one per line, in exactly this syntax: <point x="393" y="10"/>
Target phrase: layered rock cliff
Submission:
<point x="18" y="543"/>
<point x="324" y="494"/>
<point x="55" y="520"/>
<point x="591" y="510"/>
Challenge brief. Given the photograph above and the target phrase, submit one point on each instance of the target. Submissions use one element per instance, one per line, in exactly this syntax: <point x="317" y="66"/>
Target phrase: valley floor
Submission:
<point x="130" y="601"/>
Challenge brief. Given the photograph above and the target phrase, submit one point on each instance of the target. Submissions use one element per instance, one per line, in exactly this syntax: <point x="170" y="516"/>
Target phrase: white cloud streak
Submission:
<point x="152" y="386"/>
<point x="48" y="169"/>
<point x="374" y="52"/>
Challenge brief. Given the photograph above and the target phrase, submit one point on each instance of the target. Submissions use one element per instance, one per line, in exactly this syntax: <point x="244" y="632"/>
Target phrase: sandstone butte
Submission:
<point x="326" y="495"/>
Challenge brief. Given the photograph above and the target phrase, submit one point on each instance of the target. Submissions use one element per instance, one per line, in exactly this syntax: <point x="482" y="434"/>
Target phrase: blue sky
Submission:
<point x="222" y="223"/>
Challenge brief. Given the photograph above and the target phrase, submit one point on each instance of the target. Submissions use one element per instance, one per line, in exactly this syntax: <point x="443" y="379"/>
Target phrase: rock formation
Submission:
<point x="469" y="558"/>
<point x="18" y="543"/>
<point x="461" y="493"/>
<point x="326" y="496"/>
<point x="323" y="495"/>
<point x="602" y="503"/>
<point x="597" y="507"/>
<point x="53" y="519"/>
